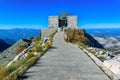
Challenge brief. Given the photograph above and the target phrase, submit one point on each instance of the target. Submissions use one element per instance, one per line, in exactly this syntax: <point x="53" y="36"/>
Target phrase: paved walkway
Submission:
<point x="64" y="61"/>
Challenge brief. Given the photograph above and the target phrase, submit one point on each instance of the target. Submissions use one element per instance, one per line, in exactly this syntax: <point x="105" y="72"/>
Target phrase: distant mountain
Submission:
<point x="109" y="38"/>
<point x="94" y="42"/>
<point x="3" y="45"/>
<point x="13" y="35"/>
<point x="104" y="32"/>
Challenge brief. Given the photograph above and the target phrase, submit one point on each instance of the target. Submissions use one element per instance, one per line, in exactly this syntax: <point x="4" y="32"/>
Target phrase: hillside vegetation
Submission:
<point x="17" y="66"/>
<point x="76" y="35"/>
<point x="8" y="54"/>
<point x="85" y="41"/>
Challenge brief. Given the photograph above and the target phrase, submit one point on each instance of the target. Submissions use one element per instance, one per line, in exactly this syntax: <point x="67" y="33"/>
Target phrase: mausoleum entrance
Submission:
<point x="62" y="23"/>
<point x="62" y="20"/>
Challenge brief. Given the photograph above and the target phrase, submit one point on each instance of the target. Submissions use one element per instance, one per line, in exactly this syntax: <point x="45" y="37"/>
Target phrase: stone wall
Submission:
<point x="72" y="22"/>
<point x="53" y="21"/>
<point x="54" y="24"/>
<point x="47" y="31"/>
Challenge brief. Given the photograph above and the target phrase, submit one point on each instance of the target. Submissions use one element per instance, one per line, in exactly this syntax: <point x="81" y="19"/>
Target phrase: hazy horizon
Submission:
<point x="88" y="26"/>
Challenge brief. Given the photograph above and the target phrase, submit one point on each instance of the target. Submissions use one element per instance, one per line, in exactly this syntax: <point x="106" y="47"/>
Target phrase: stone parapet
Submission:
<point x="47" y="31"/>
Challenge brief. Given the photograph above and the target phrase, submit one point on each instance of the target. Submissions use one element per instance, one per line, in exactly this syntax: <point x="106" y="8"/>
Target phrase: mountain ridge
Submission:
<point x="11" y="52"/>
<point x="11" y="36"/>
<point x="3" y="45"/>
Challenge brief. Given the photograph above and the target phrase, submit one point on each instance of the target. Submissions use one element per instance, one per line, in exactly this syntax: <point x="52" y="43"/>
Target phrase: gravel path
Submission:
<point x="64" y="61"/>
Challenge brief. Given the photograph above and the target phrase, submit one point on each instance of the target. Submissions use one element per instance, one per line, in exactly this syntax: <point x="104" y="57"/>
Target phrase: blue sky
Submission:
<point x="29" y="13"/>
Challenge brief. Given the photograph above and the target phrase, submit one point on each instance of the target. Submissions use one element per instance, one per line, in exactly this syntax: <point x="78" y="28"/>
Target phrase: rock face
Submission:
<point x="10" y="53"/>
<point x="93" y="42"/>
<point x="109" y="38"/>
<point x="113" y="65"/>
<point x="3" y="45"/>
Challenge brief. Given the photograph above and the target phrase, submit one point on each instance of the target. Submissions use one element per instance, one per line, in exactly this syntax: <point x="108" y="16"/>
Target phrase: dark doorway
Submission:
<point x="62" y="23"/>
<point x="63" y="20"/>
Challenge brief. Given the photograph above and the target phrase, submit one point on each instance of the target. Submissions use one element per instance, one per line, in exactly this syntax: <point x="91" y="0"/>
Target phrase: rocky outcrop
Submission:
<point x="113" y="65"/>
<point x="3" y="45"/>
<point x="23" y="54"/>
<point x="94" y="42"/>
<point x="10" y="53"/>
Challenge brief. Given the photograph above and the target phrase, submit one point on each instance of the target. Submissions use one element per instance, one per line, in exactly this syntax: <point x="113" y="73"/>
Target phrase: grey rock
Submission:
<point x="10" y="53"/>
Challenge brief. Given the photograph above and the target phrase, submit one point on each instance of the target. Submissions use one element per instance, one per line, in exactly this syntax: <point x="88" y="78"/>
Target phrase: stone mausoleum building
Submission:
<point x="64" y="20"/>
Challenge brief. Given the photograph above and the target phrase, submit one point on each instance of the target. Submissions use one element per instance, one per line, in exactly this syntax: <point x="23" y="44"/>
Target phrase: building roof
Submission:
<point x="63" y="16"/>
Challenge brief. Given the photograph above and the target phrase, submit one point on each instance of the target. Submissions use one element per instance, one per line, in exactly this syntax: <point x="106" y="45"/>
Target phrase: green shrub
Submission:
<point x="38" y="48"/>
<point x="30" y="55"/>
<point x="101" y="58"/>
<point x="93" y="52"/>
<point x="16" y="65"/>
<point x="81" y="44"/>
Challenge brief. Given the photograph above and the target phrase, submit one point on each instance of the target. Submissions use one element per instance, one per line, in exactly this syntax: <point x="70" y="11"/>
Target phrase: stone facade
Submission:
<point x="47" y="31"/>
<point x="53" y="21"/>
<point x="72" y="22"/>
<point x="52" y="27"/>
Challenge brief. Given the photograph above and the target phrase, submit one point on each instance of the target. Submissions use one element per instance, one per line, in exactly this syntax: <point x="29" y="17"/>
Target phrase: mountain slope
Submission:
<point x="78" y="35"/>
<point x="13" y="35"/>
<point x="10" y="53"/>
<point x="109" y="38"/>
<point x="3" y="45"/>
<point x="93" y="41"/>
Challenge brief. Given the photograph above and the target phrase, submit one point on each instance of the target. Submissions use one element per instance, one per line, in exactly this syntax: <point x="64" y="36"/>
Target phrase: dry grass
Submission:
<point x="19" y="67"/>
<point x="20" y="50"/>
<point x="37" y="38"/>
<point x="76" y="35"/>
<point x="93" y="52"/>
<point x="8" y="70"/>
